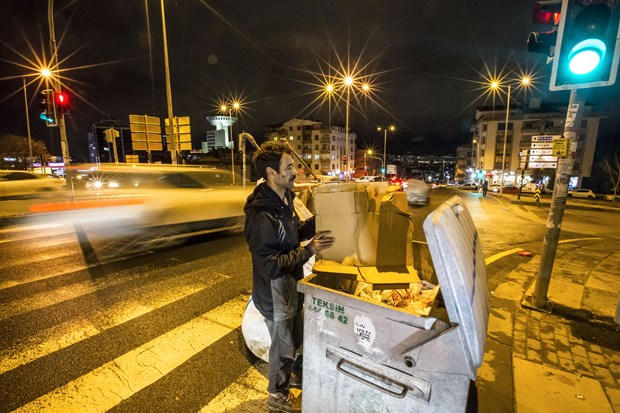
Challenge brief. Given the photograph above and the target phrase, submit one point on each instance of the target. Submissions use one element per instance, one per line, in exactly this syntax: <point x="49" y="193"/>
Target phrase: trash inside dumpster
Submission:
<point x="367" y="355"/>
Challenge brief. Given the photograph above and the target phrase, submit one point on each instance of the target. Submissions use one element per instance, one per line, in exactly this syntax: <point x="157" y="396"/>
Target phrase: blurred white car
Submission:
<point x="24" y="183"/>
<point x="582" y="193"/>
<point x="417" y="192"/>
<point x="610" y="197"/>
<point x="172" y="202"/>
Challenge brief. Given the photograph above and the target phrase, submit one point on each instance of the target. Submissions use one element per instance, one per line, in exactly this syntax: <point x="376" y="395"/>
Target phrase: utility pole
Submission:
<point x="64" y="145"/>
<point x="173" y="141"/>
<point x="572" y="127"/>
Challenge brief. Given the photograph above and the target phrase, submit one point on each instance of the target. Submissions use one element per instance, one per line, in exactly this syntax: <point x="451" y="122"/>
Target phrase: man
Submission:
<point x="273" y="232"/>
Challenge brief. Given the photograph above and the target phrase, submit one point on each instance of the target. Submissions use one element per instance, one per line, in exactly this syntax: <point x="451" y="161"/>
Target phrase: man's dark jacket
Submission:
<point x="273" y="232"/>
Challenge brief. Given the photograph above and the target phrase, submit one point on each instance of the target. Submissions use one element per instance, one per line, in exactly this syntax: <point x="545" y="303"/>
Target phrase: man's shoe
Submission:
<point x="295" y="380"/>
<point x="284" y="403"/>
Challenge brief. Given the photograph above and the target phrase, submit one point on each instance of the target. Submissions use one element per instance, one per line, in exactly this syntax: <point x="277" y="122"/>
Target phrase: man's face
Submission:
<point x="285" y="177"/>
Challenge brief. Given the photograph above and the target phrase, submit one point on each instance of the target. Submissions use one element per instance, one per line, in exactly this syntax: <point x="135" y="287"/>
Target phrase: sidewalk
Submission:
<point x="571" y="203"/>
<point x="564" y="361"/>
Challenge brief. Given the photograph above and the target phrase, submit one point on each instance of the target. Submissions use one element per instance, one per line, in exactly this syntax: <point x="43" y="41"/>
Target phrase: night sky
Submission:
<point x="425" y="62"/>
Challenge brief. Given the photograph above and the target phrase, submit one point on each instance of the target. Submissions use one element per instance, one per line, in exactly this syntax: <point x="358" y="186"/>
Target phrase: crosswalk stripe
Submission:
<point x="247" y="393"/>
<point x="105" y="387"/>
<point x="74" y="331"/>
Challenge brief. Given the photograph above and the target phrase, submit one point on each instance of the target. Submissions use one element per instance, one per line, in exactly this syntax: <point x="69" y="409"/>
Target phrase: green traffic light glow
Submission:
<point x="586" y="56"/>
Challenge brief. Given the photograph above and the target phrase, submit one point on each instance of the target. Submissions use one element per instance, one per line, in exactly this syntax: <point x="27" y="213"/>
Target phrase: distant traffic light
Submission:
<point x="588" y="47"/>
<point x="48" y="110"/>
<point x="62" y="101"/>
<point x="546" y="13"/>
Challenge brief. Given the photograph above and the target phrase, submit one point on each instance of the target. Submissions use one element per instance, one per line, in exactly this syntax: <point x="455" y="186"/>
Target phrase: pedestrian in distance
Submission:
<point x="274" y="232"/>
<point x="485" y="187"/>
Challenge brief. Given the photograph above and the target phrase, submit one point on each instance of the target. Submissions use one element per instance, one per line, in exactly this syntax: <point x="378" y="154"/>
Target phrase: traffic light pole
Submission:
<point x="572" y="127"/>
<point x="64" y="145"/>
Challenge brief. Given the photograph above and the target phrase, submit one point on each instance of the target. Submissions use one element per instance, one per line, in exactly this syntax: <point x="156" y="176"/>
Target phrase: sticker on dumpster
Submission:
<point x="364" y="330"/>
<point x="330" y="310"/>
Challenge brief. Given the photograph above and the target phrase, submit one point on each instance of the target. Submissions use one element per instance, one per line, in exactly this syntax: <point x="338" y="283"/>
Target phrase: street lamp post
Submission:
<point x="173" y="151"/>
<point x="348" y="81"/>
<point x="501" y="187"/>
<point x="228" y="108"/>
<point x="27" y="120"/>
<point x="385" y="129"/>
<point x="369" y="155"/>
<point x="495" y="85"/>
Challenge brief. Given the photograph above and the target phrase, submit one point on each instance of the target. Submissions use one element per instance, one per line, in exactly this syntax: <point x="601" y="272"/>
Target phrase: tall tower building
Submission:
<point x="220" y="137"/>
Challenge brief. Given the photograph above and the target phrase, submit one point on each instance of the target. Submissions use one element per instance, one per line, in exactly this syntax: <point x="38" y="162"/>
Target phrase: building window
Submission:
<point x="290" y="128"/>
<point x="299" y="147"/>
<point x="299" y="128"/>
<point x="299" y="166"/>
<point x="316" y="147"/>
<point x="290" y="138"/>
<point x="316" y="157"/>
<point x="316" y="137"/>
<point x="549" y="125"/>
<point x="502" y="126"/>
<point x="316" y="166"/>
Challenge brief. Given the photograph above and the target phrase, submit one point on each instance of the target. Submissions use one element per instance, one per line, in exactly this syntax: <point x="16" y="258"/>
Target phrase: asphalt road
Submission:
<point x="159" y="329"/>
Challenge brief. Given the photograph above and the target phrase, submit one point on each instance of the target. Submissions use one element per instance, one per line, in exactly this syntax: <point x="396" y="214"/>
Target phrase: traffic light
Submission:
<point x="546" y="13"/>
<point x="62" y="101"/>
<point x="48" y="110"/>
<point x="588" y="47"/>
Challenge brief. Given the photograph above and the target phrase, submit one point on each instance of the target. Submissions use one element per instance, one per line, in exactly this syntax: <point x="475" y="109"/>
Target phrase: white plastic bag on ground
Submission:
<point x="255" y="333"/>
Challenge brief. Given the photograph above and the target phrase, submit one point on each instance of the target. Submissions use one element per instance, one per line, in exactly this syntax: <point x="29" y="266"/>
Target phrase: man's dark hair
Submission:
<point x="270" y="154"/>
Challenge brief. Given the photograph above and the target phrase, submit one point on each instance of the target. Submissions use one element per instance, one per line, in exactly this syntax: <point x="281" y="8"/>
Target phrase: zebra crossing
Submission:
<point x="154" y="333"/>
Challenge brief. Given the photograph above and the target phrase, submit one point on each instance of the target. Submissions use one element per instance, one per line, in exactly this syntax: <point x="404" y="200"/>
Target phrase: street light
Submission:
<point x="27" y="120"/>
<point x="369" y="153"/>
<point x="495" y="85"/>
<point x="228" y="108"/>
<point x="392" y="128"/>
<point x="348" y="81"/>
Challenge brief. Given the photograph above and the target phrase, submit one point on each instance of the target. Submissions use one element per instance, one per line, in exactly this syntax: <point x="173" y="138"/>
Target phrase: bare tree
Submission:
<point x="613" y="171"/>
<point x="15" y="153"/>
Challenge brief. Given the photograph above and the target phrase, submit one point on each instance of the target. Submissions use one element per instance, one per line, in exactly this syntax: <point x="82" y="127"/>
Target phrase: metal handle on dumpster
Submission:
<point x="400" y="395"/>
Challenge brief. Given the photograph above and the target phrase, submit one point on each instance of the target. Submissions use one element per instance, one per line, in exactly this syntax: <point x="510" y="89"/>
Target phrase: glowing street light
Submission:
<point x="392" y="128"/>
<point x="228" y="108"/>
<point x="495" y="85"/>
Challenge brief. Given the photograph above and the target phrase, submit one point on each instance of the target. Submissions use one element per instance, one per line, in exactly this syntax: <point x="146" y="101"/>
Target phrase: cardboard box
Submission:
<point x="371" y="228"/>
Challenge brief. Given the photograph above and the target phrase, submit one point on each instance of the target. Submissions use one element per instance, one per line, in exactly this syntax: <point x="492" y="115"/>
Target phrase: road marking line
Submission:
<point x="503" y="254"/>
<point x="71" y="332"/>
<point x="108" y="385"/>
<point x="246" y="394"/>
<point x="564" y="241"/>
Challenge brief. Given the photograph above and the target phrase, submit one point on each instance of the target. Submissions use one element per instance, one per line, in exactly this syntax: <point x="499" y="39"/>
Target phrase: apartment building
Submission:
<point x="524" y="122"/>
<point x="321" y="147"/>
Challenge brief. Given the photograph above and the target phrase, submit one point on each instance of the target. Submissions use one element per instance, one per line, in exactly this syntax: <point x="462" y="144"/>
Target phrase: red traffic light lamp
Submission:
<point x="547" y="13"/>
<point x="62" y="101"/>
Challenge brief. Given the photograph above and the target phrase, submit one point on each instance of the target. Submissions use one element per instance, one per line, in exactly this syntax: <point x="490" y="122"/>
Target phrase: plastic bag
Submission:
<point x="255" y="333"/>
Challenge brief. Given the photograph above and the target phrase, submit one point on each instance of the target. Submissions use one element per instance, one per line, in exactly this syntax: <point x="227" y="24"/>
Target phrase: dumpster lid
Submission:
<point x="459" y="262"/>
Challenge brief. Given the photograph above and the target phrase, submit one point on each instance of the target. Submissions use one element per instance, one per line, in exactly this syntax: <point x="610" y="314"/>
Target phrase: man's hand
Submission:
<point x="322" y="240"/>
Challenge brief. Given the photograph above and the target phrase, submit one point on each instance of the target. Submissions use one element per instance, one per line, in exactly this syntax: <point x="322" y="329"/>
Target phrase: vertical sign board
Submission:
<point x="145" y="133"/>
<point x="541" y="152"/>
<point x="182" y="132"/>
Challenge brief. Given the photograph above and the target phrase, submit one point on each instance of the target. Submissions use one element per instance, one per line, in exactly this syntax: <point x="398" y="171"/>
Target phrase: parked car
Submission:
<point x="469" y="186"/>
<point x="494" y="188"/>
<point x="582" y="193"/>
<point x="368" y="178"/>
<point x="610" y="197"/>
<point x="417" y="192"/>
<point x="510" y="189"/>
<point x="25" y="183"/>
